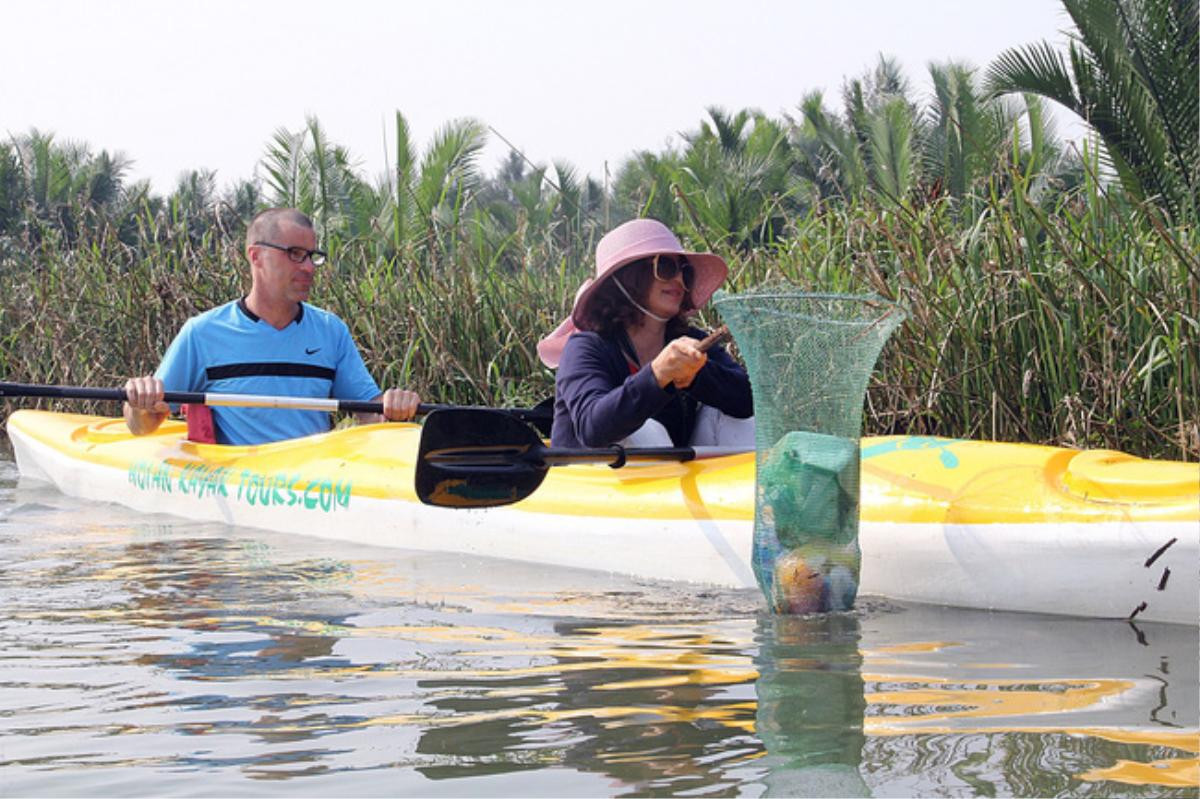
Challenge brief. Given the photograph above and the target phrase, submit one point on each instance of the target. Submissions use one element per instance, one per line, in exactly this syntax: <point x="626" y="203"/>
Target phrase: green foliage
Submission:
<point x="305" y="170"/>
<point x="734" y="181"/>
<point x="1132" y="73"/>
<point x="1008" y="250"/>
<point x="966" y="137"/>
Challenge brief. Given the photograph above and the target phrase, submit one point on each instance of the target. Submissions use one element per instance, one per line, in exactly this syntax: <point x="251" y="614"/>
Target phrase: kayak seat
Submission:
<point x="1109" y="476"/>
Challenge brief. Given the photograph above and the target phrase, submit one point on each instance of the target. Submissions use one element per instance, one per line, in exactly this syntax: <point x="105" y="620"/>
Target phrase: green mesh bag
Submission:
<point x="809" y="358"/>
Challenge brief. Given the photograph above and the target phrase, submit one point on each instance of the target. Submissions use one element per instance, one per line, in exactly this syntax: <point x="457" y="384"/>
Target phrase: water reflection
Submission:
<point x="137" y="652"/>
<point x="1007" y="704"/>
<point x="660" y="707"/>
<point x="811" y="705"/>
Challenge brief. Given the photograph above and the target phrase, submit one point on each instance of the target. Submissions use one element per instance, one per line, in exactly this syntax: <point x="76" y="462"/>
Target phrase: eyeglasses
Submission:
<point x="297" y="255"/>
<point x="666" y="267"/>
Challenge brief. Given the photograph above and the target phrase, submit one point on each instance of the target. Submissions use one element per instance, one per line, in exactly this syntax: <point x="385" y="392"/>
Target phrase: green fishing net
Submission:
<point x="809" y="357"/>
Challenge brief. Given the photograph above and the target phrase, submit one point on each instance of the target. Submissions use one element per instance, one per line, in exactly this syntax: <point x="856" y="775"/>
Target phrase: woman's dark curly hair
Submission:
<point x="609" y="312"/>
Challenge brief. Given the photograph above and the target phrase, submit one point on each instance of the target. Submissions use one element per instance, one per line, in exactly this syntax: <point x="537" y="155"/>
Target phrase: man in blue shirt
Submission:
<point x="269" y="342"/>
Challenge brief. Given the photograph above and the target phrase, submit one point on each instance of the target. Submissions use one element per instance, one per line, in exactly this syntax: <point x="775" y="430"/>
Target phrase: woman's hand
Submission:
<point x="678" y="362"/>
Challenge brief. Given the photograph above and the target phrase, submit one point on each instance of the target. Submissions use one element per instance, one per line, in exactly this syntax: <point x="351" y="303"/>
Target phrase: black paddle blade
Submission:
<point x="477" y="458"/>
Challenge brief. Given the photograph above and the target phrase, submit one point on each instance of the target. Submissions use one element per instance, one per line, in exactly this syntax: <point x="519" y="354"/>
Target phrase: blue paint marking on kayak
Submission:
<point x="942" y="445"/>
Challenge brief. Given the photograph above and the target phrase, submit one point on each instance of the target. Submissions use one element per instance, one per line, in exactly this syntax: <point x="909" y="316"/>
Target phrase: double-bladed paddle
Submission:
<point x="481" y="458"/>
<point x="532" y="415"/>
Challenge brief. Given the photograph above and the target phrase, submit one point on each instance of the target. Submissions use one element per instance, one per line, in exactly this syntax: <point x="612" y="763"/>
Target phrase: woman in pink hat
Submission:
<point x="629" y="368"/>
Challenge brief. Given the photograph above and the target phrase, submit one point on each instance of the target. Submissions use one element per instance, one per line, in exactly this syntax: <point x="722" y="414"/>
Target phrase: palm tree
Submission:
<point x="1134" y="77"/>
<point x="642" y="188"/>
<point x="864" y="97"/>
<point x="890" y="145"/>
<point x="735" y="179"/>
<point x="195" y="192"/>
<point x="12" y="194"/>
<point x="887" y="145"/>
<point x="61" y="184"/>
<point x="440" y="189"/>
<point x="305" y="170"/>
<point x="966" y="135"/>
<point x="873" y="149"/>
<point x="101" y="181"/>
<point x="827" y="151"/>
<point x="873" y="146"/>
<point x="243" y="199"/>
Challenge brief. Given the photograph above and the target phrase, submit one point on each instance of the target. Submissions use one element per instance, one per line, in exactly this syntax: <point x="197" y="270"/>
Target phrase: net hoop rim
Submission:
<point x="865" y="299"/>
<point x="883" y="307"/>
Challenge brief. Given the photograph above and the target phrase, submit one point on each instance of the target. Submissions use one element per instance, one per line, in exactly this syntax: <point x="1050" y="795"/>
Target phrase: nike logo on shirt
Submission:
<point x="310" y="352"/>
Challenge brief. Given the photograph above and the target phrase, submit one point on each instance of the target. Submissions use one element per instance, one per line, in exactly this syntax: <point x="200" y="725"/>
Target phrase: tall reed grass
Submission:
<point x="1072" y="324"/>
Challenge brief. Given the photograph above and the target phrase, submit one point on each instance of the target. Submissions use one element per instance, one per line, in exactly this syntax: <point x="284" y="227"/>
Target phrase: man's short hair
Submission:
<point x="265" y="225"/>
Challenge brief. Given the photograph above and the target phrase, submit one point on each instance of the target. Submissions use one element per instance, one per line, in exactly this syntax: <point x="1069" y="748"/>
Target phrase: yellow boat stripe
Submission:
<point x="904" y="478"/>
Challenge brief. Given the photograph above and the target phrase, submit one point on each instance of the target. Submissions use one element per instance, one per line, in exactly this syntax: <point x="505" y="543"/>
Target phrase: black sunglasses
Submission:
<point x="297" y="255"/>
<point x="666" y="267"/>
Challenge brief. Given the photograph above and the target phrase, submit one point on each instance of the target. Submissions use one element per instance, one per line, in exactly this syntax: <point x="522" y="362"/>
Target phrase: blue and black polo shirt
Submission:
<point x="231" y="350"/>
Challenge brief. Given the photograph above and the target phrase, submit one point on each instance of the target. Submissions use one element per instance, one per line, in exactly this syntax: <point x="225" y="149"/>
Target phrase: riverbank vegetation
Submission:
<point x="1052" y="288"/>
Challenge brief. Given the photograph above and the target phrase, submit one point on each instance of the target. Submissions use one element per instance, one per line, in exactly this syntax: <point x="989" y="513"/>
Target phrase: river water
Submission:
<point x="150" y="656"/>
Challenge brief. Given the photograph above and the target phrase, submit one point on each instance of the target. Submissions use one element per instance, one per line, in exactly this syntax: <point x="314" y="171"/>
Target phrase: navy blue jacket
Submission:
<point x="598" y="402"/>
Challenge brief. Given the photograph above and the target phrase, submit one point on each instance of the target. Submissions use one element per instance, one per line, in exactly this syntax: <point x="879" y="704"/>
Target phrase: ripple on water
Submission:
<point x="148" y="655"/>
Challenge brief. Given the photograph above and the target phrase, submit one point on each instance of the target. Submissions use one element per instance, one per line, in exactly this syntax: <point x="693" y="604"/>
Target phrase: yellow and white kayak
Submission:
<point x="963" y="523"/>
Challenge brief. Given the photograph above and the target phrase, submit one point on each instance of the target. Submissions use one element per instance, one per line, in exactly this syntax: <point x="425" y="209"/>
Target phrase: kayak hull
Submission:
<point x="970" y="524"/>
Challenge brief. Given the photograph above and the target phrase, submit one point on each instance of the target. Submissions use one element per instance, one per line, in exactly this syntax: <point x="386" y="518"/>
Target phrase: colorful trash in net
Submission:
<point x="809" y="358"/>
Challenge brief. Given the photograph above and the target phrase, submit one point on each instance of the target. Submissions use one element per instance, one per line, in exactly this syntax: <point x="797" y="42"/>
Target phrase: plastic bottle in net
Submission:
<point x="809" y="357"/>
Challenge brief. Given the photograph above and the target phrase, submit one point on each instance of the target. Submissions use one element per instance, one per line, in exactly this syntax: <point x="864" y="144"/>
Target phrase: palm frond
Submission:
<point x="891" y="150"/>
<point x="283" y="162"/>
<point x="840" y="144"/>
<point x="401" y="182"/>
<point x="448" y="168"/>
<point x="1035" y="69"/>
<point x="1163" y="53"/>
<point x="1134" y="78"/>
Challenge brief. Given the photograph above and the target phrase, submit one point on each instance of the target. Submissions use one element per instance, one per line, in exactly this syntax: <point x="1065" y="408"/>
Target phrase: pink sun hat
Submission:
<point x="624" y="244"/>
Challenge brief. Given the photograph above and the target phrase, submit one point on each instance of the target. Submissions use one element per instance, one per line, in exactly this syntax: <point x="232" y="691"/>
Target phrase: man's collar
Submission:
<point x="244" y="308"/>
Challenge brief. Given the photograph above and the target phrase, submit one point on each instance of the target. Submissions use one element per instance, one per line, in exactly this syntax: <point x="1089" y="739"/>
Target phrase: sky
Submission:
<point x="190" y="84"/>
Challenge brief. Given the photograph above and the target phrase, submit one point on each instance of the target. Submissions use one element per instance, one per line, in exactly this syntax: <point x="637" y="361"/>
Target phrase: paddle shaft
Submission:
<point x="480" y="458"/>
<point x="560" y="456"/>
<point x="225" y="400"/>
